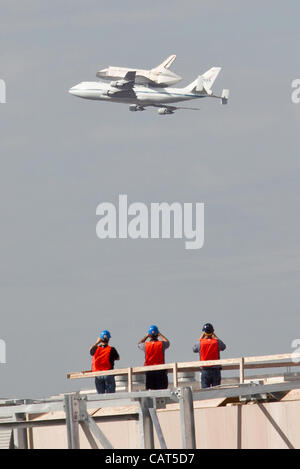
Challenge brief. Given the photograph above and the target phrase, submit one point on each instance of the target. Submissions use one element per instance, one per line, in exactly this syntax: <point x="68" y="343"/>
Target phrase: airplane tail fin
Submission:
<point x="210" y="76"/>
<point x="166" y="63"/>
<point x="204" y="83"/>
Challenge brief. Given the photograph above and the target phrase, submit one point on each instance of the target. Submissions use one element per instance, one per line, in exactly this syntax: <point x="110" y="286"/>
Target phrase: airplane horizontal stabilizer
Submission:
<point x="225" y="96"/>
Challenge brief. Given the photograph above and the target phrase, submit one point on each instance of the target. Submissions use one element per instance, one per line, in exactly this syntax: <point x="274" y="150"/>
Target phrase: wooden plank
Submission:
<point x="271" y="365"/>
<point x="263" y="358"/>
<point x="144" y="369"/>
<point x="227" y="364"/>
<point x="129" y="379"/>
<point x="175" y="375"/>
<point x="118" y="371"/>
<point x="242" y="370"/>
<point x="226" y="361"/>
<point x="92" y="374"/>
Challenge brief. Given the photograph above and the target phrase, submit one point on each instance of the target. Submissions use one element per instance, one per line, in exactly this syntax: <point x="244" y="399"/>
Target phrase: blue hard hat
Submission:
<point x="105" y="335"/>
<point x="153" y="330"/>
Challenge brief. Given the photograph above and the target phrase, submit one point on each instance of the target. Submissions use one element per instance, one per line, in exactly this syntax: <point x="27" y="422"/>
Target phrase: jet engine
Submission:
<point x="119" y="84"/>
<point x="136" y="107"/>
<point x="108" y="93"/>
<point x="165" y="110"/>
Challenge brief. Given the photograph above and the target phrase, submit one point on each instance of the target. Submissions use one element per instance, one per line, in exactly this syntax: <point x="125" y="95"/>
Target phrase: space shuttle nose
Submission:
<point x="102" y="73"/>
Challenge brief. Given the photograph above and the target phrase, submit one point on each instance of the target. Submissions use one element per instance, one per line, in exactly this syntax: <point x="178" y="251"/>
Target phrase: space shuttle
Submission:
<point x="159" y="76"/>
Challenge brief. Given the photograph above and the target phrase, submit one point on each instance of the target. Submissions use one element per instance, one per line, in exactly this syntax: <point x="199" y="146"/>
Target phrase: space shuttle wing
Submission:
<point x="130" y="76"/>
<point x="146" y="80"/>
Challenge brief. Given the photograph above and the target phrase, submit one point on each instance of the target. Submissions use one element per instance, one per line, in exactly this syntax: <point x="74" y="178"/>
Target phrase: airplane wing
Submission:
<point x="173" y="108"/>
<point x="162" y="108"/>
<point x="165" y="109"/>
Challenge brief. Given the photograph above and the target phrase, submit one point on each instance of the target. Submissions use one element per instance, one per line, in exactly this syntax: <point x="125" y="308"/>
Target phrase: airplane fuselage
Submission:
<point x="140" y="95"/>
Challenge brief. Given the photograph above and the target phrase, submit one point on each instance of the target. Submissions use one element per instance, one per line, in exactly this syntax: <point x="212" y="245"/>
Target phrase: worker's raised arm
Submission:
<point x="144" y="339"/>
<point x="222" y="346"/>
<point x="94" y="347"/>
<point x="196" y="348"/>
<point x="163" y="338"/>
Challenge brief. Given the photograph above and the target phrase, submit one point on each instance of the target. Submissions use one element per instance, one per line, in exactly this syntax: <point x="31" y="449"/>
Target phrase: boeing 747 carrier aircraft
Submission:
<point x="139" y="97"/>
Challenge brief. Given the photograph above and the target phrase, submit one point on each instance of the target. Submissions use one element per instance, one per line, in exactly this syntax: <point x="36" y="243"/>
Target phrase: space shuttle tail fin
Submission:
<point x="166" y="63"/>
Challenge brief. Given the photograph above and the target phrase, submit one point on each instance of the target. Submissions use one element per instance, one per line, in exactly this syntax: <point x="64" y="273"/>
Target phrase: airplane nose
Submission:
<point x="74" y="91"/>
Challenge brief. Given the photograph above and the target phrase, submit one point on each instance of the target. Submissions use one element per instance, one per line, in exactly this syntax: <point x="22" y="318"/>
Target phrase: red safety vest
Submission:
<point x="154" y="354"/>
<point x="100" y="360"/>
<point x="209" y="349"/>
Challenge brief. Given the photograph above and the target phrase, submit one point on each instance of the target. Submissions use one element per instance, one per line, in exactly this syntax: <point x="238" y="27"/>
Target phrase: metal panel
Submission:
<point x="5" y="433"/>
<point x="5" y="439"/>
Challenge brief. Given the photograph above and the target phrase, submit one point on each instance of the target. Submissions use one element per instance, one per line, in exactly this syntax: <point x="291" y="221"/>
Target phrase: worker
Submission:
<point x="154" y="345"/>
<point x="209" y="348"/>
<point x="103" y="358"/>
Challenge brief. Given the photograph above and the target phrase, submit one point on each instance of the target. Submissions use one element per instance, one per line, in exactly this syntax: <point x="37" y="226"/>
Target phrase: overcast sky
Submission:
<point x="61" y="156"/>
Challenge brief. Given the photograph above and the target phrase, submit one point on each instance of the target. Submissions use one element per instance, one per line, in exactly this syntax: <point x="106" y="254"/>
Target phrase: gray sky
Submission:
<point x="62" y="156"/>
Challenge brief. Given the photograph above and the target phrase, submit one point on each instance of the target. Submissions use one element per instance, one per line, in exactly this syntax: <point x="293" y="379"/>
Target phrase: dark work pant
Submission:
<point x="210" y="377"/>
<point x="105" y="384"/>
<point x="157" y="379"/>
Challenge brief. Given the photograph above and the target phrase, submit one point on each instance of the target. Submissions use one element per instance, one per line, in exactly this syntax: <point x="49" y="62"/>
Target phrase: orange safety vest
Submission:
<point x="100" y="359"/>
<point x="154" y="354"/>
<point x="209" y="349"/>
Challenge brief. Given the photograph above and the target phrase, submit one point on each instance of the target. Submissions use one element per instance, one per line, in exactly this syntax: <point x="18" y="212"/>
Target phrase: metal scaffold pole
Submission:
<point x="72" y="420"/>
<point x="146" y="423"/>
<point x="187" y="419"/>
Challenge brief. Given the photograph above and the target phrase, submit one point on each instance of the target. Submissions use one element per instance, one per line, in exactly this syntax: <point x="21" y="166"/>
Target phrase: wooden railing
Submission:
<point x="241" y="364"/>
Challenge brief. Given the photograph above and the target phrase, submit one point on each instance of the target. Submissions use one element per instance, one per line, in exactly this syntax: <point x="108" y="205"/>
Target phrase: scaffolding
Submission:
<point x="19" y="415"/>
